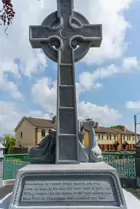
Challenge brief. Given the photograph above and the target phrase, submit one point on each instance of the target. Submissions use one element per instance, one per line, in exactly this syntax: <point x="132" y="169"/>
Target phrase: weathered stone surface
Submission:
<point x="66" y="190"/>
<point x="57" y="186"/>
<point x="66" y="37"/>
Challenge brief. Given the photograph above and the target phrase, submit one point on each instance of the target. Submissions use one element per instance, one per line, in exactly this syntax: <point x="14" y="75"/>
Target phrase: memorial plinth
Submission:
<point x="60" y="186"/>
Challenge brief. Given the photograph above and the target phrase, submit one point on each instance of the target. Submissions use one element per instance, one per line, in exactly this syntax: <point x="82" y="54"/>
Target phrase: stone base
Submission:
<point x="91" y="185"/>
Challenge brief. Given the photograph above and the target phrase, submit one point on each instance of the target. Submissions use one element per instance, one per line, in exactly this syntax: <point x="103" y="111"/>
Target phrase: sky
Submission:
<point x="107" y="78"/>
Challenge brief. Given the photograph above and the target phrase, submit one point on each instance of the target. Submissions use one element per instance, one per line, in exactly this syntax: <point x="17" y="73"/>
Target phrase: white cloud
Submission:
<point x="44" y="93"/>
<point x="6" y="84"/>
<point x="10" y="115"/>
<point x="89" y="80"/>
<point x="36" y="64"/>
<point x="133" y="105"/>
<point x="130" y="63"/>
<point x="103" y="114"/>
<point x="111" y="15"/>
<point x="107" y="12"/>
<point x="16" y="46"/>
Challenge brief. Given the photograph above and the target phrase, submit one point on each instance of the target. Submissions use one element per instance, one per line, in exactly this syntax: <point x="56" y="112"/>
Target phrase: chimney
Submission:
<point x="54" y="120"/>
<point x="124" y="128"/>
<point x="97" y="125"/>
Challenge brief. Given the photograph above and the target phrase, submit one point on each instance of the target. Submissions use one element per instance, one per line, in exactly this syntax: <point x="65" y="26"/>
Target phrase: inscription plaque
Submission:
<point x="64" y="190"/>
<point x="67" y="186"/>
<point x="73" y="189"/>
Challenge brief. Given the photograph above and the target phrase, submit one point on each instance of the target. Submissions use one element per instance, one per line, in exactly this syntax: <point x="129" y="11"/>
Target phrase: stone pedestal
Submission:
<point x="67" y="186"/>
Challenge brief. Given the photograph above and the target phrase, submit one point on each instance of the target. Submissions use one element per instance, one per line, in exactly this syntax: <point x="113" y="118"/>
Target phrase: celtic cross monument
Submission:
<point x="65" y="37"/>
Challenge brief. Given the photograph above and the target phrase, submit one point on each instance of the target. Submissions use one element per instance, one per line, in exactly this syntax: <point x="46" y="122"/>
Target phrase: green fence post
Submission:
<point x="137" y="160"/>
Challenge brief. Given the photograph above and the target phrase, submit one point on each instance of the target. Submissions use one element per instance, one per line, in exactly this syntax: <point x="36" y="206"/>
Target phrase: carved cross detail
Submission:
<point x="66" y="37"/>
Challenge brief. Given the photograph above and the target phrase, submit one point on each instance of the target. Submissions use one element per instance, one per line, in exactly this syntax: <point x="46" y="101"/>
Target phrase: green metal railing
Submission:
<point x="124" y="163"/>
<point x="12" y="163"/>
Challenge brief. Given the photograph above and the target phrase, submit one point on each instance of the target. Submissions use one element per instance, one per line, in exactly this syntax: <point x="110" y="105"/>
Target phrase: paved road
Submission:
<point x="5" y="190"/>
<point x="135" y="192"/>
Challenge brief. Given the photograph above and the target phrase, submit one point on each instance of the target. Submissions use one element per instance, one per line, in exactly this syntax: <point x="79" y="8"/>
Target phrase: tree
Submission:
<point x="118" y="127"/>
<point x="7" y="13"/>
<point x="9" y="142"/>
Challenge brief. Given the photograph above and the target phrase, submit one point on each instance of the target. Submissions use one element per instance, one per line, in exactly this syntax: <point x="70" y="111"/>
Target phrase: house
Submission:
<point x="30" y="131"/>
<point x="113" y="139"/>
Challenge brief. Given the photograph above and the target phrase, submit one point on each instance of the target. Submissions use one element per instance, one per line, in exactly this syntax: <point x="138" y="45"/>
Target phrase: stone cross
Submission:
<point x="65" y="37"/>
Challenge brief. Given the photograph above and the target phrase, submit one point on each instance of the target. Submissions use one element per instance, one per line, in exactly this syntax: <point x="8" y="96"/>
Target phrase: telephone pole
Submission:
<point x="135" y="126"/>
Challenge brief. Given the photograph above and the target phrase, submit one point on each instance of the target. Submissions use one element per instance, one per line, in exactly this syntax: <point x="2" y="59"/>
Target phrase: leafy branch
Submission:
<point x="7" y="13"/>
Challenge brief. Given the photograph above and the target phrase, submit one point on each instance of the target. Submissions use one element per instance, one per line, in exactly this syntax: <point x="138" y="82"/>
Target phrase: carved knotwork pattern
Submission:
<point x="66" y="75"/>
<point x="66" y="97"/>
<point x="67" y="121"/>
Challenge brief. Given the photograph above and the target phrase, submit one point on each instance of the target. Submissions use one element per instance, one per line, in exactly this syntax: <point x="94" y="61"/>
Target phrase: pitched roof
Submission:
<point x="41" y="123"/>
<point x="105" y="130"/>
<point x="114" y="131"/>
<point x="38" y="123"/>
<point x="128" y="132"/>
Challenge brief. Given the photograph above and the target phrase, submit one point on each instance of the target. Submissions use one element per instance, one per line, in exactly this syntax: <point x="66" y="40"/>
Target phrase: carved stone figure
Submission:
<point x="46" y="151"/>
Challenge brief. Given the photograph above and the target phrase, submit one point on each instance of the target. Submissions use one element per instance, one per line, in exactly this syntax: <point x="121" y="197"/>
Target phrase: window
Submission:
<point x="102" y="136"/>
<point x="43" y="132"/>
<point x="107" y="136"/>
<point x="21" y="134"/>
<point x="102" y="147"/>
<point x="110" y="137"/>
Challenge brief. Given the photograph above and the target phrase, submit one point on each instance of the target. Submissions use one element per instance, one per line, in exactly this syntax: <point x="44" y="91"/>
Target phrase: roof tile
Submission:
<point x="41" y="123"/>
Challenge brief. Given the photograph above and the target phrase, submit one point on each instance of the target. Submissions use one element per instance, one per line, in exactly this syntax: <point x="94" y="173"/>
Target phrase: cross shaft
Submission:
<point x="68" y="36"/>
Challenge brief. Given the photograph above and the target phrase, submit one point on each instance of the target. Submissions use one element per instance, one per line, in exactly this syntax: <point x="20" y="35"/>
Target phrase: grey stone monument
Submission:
<point x="66" y="37"/>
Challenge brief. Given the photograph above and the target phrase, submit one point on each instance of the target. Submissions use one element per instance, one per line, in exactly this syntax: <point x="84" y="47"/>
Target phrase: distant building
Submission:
<point x="30" y="131"/>
<point x="112" y="139"/>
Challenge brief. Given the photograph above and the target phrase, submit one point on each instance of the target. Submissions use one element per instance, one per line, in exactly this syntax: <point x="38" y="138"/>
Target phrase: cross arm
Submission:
<point x="42" y="34"/>
<point x="89" y="33"/>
